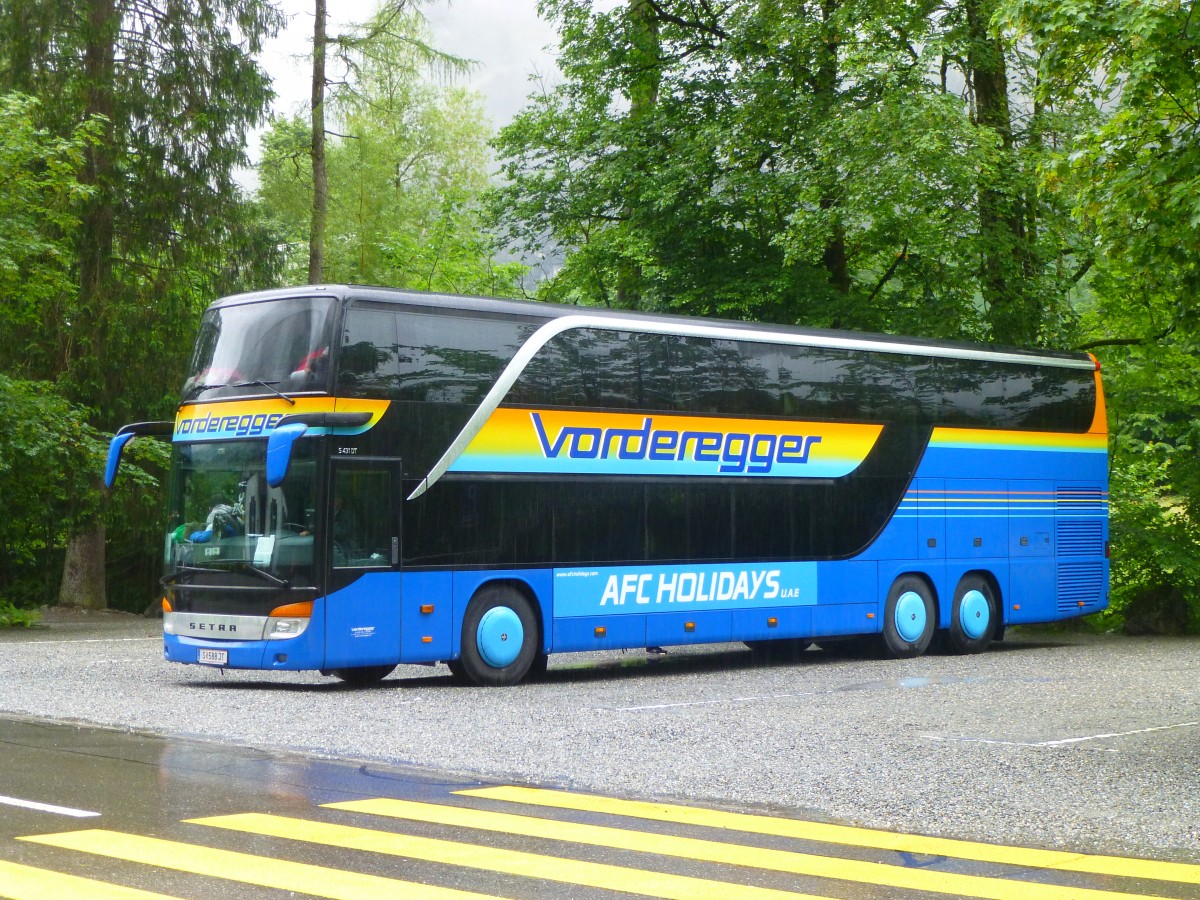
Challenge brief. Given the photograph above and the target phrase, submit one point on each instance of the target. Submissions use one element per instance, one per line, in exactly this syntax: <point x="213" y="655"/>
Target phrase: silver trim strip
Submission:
<point x="216" y="627"/>
<point x="555" y="327"/>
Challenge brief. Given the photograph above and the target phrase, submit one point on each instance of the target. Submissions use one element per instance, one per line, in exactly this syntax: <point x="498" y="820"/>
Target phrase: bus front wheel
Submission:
<point x="499" y="636"/>
<point x="973" y="617"/>
<point x="909" y="617"/>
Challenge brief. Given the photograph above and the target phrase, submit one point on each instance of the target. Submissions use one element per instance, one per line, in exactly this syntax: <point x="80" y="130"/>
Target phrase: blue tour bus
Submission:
<point x="363" y="477"/>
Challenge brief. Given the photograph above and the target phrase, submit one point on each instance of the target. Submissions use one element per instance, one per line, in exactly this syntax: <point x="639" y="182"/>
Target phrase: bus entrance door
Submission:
<point x="362" y="546"/>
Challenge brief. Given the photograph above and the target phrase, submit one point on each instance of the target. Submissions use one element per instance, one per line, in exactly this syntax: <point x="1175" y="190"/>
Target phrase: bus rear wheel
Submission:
<point x="499" y="636"/>
<point x="909" y="617"/>
<point x="973" y="618"/>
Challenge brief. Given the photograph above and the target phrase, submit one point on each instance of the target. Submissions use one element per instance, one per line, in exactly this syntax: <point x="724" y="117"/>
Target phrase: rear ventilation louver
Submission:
<point x="1080" y="586"/>
<point x="1079" y="531"/>
<point x="1080" y="538"/>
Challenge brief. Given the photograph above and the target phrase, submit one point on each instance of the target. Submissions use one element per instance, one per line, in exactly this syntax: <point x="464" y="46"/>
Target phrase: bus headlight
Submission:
<point x="285" y="628"/>
<point x="289" y="621"/>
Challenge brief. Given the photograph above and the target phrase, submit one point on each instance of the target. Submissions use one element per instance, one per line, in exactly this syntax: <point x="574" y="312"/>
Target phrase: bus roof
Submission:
<point x="663" y="323"/>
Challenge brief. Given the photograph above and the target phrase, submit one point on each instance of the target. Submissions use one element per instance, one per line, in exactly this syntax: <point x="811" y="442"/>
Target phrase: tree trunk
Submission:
<point x="316" y="235"/>
<point x="825" y="90"/>
<point x="83" y="570"/>
<point x="1006" y="254"/>
<point x="645" y="57"/>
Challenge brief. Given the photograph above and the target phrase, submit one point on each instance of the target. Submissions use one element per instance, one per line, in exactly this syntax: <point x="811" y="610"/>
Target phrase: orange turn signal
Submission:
<point x="293" y="611"/>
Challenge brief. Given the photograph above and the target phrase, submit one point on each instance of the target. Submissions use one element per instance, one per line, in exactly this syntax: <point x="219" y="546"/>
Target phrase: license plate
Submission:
<point x="213" y="657"/>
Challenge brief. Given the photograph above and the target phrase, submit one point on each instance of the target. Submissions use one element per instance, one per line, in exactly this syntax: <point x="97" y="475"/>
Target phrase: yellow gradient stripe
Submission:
<point x="316" y="881"/>
<point x="493" y="859"/>
<point x="787" y="861"/>
<point x="843" y="835"/>
<point x="19" y="882"/>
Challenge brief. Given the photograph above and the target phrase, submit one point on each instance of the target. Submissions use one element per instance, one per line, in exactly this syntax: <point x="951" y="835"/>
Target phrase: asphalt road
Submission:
<point x="1058" y="741"/>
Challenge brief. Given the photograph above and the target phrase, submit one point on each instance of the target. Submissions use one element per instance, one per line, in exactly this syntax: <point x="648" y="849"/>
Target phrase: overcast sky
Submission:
<point x="505" y="37"/>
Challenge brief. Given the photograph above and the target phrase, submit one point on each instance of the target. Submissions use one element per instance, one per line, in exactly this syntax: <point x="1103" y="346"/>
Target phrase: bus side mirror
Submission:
<point x="126" y="434"/>
<point x="115" y="448"/>
<point x="279" y="450"/>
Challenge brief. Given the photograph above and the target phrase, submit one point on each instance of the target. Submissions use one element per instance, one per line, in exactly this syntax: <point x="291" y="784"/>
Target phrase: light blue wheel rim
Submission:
<point x="910" y="616"/>
<point x="974" y="614"/>
<point x="499" y="637"/>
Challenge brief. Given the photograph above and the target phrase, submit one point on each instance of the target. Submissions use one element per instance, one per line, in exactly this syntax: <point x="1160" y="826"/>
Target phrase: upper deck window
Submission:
<point x="255" y="348"/>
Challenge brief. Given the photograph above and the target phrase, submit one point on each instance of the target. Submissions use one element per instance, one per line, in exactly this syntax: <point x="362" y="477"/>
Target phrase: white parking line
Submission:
<point x="713" y="702"/>
<point x="48" y="808"/>
<point x="1064" y="741"/>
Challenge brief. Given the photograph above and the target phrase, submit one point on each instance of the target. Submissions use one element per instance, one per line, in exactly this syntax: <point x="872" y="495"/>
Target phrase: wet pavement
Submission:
<point x="1080" y="747"/>
<point x="88" y="812"/>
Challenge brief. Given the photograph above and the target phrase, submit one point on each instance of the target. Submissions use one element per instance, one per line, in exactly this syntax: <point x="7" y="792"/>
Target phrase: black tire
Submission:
<point x="457" y="670"/>
<point x="909" y="617"/>
<point x="974" y="616"/>
<point x="496" y="616"/>
<point x="361" y="676"/>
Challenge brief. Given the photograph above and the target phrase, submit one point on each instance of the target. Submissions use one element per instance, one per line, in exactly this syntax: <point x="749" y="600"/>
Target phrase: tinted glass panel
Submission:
<point x="620" y="370"/>
<point x="369" y="362"/>
<point x="454" y="359"/>
<point x="361" y="518"/>
<point x="281" y="343"/>
<point x="224" y="516"/>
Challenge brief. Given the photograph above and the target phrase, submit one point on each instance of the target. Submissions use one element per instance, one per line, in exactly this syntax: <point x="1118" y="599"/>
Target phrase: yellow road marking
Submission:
<point x="857" y="871"/>
<point x="18" y="882"/>
<point x="493" y="859"/>
<point x="246" y="868"/>
<point x="847" y="836"/>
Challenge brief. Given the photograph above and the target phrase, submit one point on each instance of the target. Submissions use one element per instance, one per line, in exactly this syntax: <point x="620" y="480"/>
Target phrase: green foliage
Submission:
<point x="51" y="461"/>
<point x="12" y="617"/>
<point x="800" y="163"/>
<point x="1131" y="180"/>
<point x="39" y="212"/>
<point x="121" y="229"/>
<point x="405" y="174"/>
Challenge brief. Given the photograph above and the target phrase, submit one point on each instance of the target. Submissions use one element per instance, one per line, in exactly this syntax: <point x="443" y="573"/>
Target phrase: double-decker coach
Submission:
<point x="363" y="477"/>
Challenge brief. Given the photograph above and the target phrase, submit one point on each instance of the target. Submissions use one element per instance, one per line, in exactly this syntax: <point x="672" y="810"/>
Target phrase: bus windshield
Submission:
<point x="280" y="345"/>
<point x="224" y="516"/>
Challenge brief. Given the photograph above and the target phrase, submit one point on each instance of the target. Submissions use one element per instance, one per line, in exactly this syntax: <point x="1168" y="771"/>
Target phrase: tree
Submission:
<point x="175" y="88"/>
<point x="812" y="162"/>
<point x="39" y="217"/>
<point x="394" y="22"/>
<point x="788" y="162"/>
<point x="404" y="173"/>
<point x="1132" y="183"/>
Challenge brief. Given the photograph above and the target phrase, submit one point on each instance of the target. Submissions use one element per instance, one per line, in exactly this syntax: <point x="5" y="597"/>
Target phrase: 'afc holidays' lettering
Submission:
<point x="693" y="587"/>
<point x="737" y="452"/>
<point x="242" y="426"/>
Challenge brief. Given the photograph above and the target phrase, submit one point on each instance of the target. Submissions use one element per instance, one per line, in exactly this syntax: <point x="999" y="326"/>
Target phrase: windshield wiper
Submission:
<point x="269" y="385"/>
<point x="197" y="388"/>
<point x="240" y="565"/>
<point x="182" y="570"/>
<point x="262" y="573"/>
